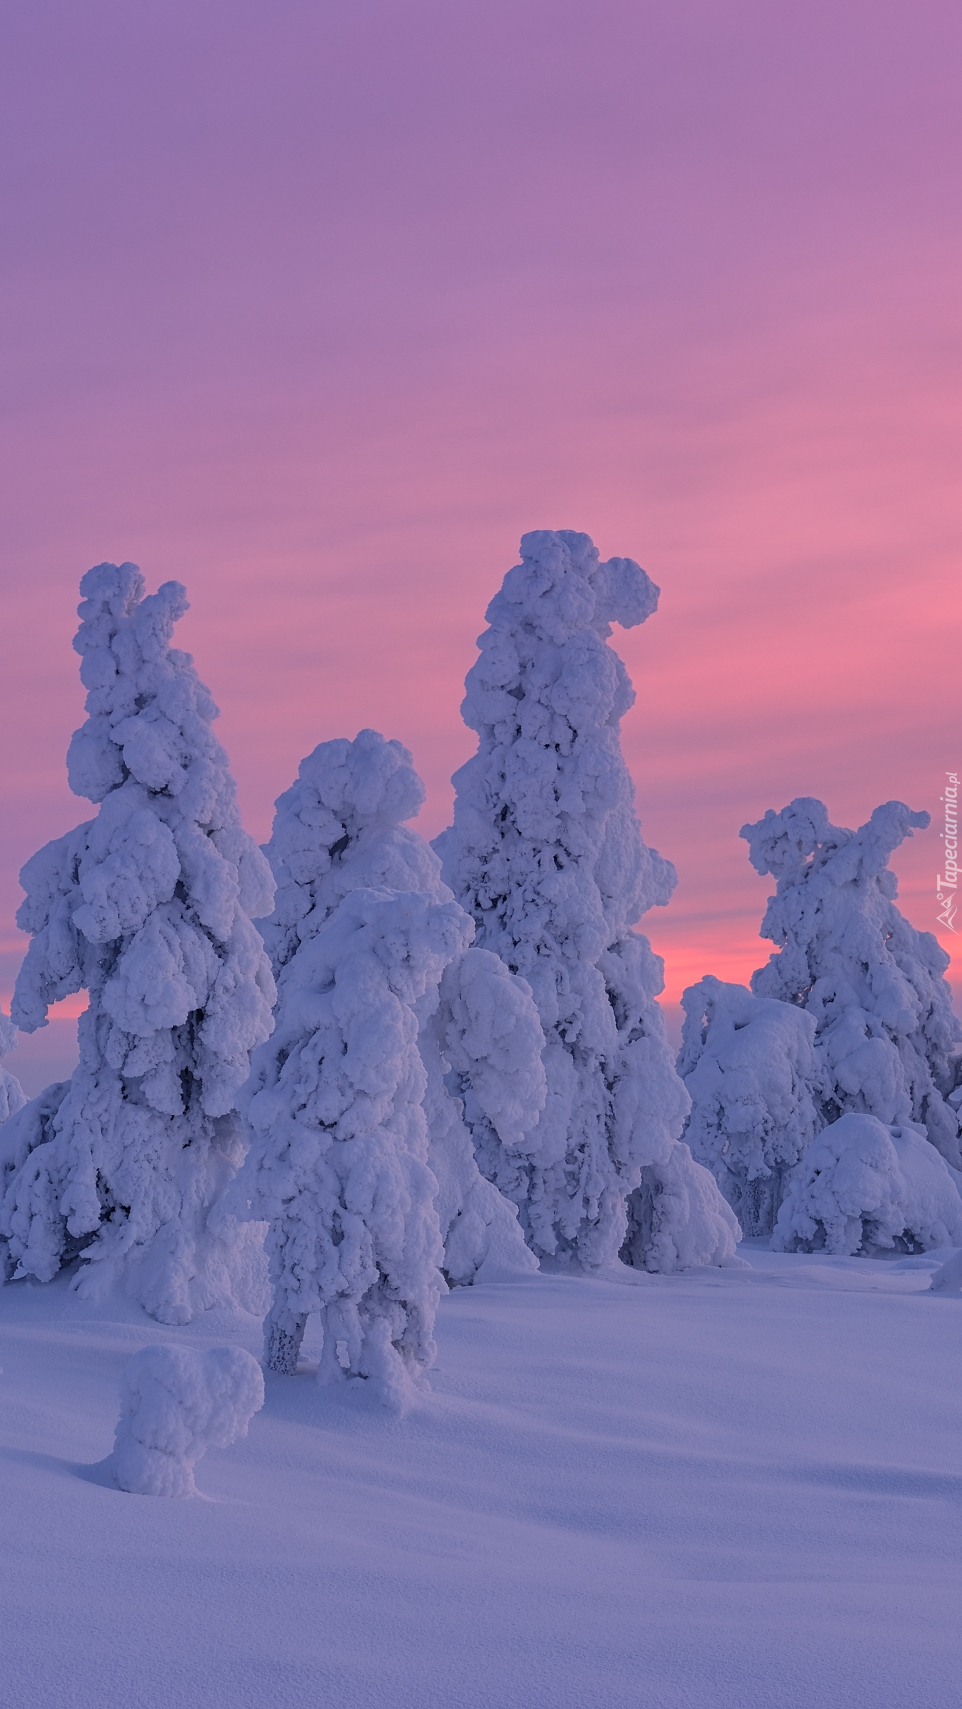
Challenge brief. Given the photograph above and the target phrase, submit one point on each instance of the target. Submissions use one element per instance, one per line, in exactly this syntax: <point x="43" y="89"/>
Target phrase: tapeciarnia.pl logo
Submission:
<point x="947" y="882"/>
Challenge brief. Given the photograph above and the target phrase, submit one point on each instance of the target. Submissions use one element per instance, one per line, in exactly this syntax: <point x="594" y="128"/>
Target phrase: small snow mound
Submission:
<point x="176" y="1403"/>
<point x="678" y="1219"/>
<point x="862" y="1185"/>
<point x="948" y="1278"/>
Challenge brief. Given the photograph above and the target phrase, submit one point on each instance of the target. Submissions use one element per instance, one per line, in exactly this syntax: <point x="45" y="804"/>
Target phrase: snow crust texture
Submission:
<point x="148" y="907"/>
<point x="336" y="830"/>
<point x="175" y="1403"/>
<point x="750" y="1069"/>
<point x="546" y="855"/>
<point x="863" y="1186"/>
<point x="886" y="1037"/>
<point x="12" y="1095"/>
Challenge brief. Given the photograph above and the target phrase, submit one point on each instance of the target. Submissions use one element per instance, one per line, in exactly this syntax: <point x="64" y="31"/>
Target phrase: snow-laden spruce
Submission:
<point x="679" y="1219"/>
<point x="865" y="1185"/>
<point x="12" y="1094"/>
<point x="147" y="907"/>
<point x="175" y="1403"/>
<point x="338" y="1164"/>
<point x="887" y="1039"/>
<point x="340" y="828"/>
<point x="546" y="854"/>
<point x="749" y="1066"/>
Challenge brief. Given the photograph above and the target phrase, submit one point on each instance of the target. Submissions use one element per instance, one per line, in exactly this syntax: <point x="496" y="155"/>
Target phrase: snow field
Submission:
<point x="701" y="1491"/>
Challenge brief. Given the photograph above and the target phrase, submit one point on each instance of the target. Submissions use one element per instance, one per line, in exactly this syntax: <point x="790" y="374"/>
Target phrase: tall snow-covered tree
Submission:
<point x="886" y="1037"/>
<point x="12" y="1095"/>
<point x="338" y="1164"/>
<point x="147" y="907"/>
<point x="338" y="829"/>
<point x="546" y="854"/>
<point x="749" y="1065"/>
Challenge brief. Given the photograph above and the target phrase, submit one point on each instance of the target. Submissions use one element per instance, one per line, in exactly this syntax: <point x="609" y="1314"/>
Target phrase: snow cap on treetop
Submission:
<point x="343" y="788"/>
<point x="781" y="843"/>
<point x="562" y="586"/>
<point x="148" y="713"/>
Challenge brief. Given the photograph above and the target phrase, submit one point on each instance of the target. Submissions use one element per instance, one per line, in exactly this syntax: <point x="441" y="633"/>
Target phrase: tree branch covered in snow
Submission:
<point x="547" y="856"/>
<point x="147" y="907"/>
<point x="12" y="1095"/>
<point x="886" y="1036"/>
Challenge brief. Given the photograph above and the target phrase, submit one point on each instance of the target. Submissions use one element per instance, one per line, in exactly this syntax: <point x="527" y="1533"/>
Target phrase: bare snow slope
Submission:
<point x="721" y="1490"/>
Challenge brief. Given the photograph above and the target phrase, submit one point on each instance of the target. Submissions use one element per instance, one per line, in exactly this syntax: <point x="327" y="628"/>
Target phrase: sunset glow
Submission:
<point x="320" y="315"/>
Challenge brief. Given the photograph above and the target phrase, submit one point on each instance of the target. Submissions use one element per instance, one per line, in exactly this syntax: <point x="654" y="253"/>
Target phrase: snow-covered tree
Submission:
<point x="749" y="1066"/>
<point x="338" y="829"/>
<point x="886" y="1037"/>
<point x="338" y="1164"/>
<point x="865" y="1185"/>
<point x="12" y="1095"/>
<point x="546" y="854"/>
<point x="175" y="1403"/>
<point x="147" y="907"/>
<point x="679" y="1220"/>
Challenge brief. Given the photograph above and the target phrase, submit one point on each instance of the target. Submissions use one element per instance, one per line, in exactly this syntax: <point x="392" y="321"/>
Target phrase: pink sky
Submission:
<point x="318" y="306"/>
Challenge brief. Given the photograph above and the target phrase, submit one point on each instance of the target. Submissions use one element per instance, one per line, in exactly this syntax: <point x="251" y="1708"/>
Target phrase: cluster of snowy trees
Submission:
<point x="825" y="1100"/>
<point x="397" y="1068"/>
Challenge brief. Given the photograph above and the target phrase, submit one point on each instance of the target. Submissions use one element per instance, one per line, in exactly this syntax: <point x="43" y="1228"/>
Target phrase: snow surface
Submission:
<point x="729" y="1489"/>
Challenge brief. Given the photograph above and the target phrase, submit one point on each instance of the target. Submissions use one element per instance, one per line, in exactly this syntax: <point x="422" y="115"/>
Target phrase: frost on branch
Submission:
<point x="678" y="1219"/>
<point x="338" y="1165"/>
<point x="12" y="1095"/>
<point x="147" y="907"/>
<point x="176" y="1403"/>
<point x="749" y="1066"/>
<point x="338" y="829"/>
<point x="546" y="854"/>
<point x="864" y="1185"/>
<point x="886" y="1037"/>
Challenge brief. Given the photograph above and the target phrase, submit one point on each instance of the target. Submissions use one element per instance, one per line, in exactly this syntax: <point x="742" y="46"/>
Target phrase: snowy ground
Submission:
<point x="724" y="1489"/>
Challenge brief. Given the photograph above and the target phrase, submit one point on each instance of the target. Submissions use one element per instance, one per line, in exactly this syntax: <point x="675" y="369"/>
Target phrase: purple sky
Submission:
<point x="317" y="307"/>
